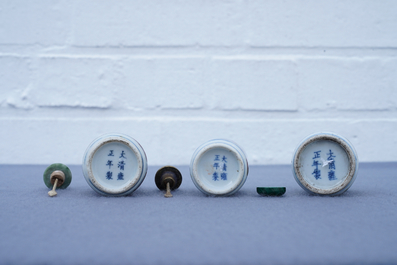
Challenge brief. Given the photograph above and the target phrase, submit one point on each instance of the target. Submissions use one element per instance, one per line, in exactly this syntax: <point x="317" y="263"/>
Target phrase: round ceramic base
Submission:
<point x="325" y="164"/>
<point x="58" y="166"/>
<point x="114" y="165"/>
<point x="219" y="167"/>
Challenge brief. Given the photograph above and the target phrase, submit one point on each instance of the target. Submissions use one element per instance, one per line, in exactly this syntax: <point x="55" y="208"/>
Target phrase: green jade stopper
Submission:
<point x="57" y="176"/>
<point x="270" y="191"/>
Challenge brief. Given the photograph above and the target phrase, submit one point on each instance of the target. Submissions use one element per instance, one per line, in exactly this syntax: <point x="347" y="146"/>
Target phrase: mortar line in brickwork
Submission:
<point x="250" y="57"/>
<point x="195" y="119"/>
<point x="191" y="51"/>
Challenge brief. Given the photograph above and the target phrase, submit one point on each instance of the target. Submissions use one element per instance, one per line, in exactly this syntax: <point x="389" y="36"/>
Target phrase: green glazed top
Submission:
<point x="271" y="191"/>
<point x="52" y="168"/>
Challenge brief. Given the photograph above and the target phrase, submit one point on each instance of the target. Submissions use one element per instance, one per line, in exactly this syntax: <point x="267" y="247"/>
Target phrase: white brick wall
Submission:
<point x="174" y="74"/>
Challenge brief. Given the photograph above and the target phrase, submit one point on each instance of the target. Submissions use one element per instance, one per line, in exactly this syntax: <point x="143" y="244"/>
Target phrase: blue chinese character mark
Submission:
<point x="331" y="175"/>
<point x="109" y="175"/>
<point x="316" y="154"/>
<point x="330" y="155"/>
<point x="109" y="163"/>
<point x="122" y="154"/>
<point x="331" y="158"/>
<point x="121" y="165"/>
<point x="217" y="165"/>
<point x="120" y="176"/>
<point x="215" y="176"/>
<point x="111" y="153"/>
<point x="316" y="172"/>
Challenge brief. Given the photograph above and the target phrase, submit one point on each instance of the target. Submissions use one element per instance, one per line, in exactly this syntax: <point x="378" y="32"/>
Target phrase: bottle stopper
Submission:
<point x="168" y="178"/>
<point x="271" y="191"/>
<point x="57" y="176"/>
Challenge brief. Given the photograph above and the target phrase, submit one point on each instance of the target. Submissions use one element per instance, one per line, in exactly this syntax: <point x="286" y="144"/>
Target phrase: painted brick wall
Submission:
<point x="174" y="74"/>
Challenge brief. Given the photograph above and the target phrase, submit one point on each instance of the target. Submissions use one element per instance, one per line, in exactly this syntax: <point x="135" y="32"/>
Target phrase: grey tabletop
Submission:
<point x="79" y="226"/>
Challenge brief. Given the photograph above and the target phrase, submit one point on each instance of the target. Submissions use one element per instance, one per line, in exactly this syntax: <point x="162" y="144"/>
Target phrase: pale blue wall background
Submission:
<point x="173" y="74"/>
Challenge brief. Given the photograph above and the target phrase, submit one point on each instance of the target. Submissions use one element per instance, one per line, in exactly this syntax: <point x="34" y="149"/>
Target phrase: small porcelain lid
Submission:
<point x="219" y="167"/>
<point x="325" y="163"/>
<point x="114" y="164"/>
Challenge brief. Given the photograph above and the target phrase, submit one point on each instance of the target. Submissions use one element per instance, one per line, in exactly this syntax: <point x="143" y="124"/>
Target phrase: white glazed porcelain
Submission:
<point x="114" y="164"/>
<point x="325" y="164"/>
<point x="219" y="167"/>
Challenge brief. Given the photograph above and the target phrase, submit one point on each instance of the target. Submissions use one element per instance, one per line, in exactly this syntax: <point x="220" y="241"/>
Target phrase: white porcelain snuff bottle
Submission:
<point x="114" y="164"/>
<point x="219" y="167"/>
<point x="325" y="163"/>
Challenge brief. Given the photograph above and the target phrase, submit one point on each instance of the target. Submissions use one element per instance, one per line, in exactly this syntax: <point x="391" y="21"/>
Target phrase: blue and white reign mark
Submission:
<point x="316" y="173"/>
<point x="121" y="164"/>
<point x="220" y="168"/>
<point x="331" y="165"/>
<point x="330" y="162"/>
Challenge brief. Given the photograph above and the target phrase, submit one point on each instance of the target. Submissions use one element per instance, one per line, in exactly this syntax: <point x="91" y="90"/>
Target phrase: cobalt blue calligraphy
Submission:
<point x="220" y="169"/>
<point x="111" y="153"/>
<point x="121" y="165"/>
<point x="109" y="175"/>
<point x="331" y="159"/>
<point x="331" y="175"/>
<point x="331" y="167"/>
<point x="316" y="172"/>
<point x="109" y="163"/>
<point x="316" y="154"/>
<point x="216" y="165"/>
